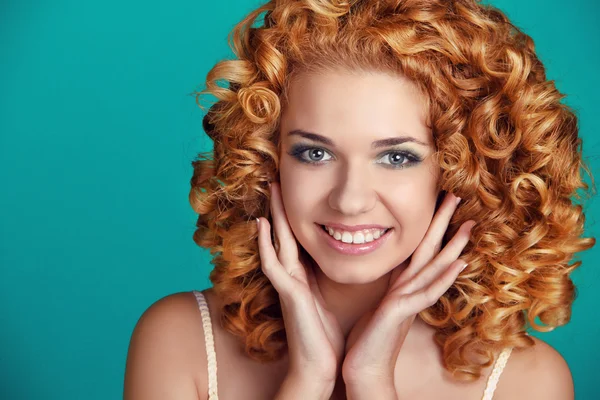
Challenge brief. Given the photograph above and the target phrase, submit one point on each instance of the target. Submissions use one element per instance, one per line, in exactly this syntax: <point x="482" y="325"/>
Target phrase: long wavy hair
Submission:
<point x="504" y="143"/>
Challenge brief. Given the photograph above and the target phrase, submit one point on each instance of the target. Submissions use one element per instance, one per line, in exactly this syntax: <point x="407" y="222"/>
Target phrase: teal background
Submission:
<point x="97" y="133"/>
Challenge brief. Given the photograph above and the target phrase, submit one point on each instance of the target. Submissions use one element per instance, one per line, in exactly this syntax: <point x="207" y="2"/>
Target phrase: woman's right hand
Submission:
<point x="315" y="339"/>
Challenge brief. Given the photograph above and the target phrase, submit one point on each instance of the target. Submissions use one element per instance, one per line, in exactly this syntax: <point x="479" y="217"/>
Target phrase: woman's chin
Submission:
<point x="351" y="274"/>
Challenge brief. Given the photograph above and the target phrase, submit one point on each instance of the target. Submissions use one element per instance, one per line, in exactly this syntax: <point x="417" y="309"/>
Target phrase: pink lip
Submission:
<point x="351" y="248"/>
<point x="354" y="228"/>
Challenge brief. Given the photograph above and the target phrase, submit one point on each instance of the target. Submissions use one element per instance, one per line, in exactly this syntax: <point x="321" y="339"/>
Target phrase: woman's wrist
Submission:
<point x="297" y="387"/>
<point x="369" y="389"/>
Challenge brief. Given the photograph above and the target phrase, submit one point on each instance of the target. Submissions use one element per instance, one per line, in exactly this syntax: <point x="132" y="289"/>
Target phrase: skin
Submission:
<point x="368" y="301"/>
<point x="373" y="345"/>
<point x="354" y="110"/>
<point x="341" y="182"/>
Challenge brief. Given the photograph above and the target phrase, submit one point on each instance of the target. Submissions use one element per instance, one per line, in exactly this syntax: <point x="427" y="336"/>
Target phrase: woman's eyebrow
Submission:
<point x="375" y="145"/>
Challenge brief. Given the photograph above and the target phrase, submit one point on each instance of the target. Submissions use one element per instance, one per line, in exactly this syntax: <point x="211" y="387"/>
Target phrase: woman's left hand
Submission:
<point x="373" y="345"/>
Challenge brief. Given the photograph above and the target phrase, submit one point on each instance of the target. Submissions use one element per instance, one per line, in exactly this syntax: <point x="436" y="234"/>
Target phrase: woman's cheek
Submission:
<point x="414" y="214"/>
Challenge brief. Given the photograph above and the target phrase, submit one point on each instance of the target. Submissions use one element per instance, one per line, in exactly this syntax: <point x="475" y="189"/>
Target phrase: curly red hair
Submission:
<point x="505" y="144"/>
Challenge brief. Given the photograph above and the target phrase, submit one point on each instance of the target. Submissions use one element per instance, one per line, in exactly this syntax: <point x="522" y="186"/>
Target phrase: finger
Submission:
<point x="441" y="262"/>
<point x="316" y="292"/>
<point x="324" y="314"/>
<point x="275" y="238"/>
<point x="288" y="249"/>
<point x="295" y="305"/>
<point x="382" y="334"/>
<point x="430" y="294"/>
<point x="431" y="243"/>
<point x="270" y="265"/>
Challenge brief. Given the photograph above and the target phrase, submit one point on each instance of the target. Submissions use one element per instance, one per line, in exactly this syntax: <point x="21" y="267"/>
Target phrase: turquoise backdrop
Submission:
<point x="97" y="133"/>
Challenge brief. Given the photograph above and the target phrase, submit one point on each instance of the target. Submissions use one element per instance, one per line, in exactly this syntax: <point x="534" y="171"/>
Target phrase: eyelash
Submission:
<point x="297" y="152"/>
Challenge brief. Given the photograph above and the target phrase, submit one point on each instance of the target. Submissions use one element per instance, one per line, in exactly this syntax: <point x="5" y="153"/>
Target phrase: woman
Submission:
<point x="382" y="147"/>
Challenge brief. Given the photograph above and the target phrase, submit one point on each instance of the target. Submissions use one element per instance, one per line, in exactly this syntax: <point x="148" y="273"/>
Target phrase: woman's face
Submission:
<point x="337" y="168"/>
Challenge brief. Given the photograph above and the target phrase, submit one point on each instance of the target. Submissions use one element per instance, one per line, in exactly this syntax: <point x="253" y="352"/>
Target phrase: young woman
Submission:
<point x="389" y="206"/>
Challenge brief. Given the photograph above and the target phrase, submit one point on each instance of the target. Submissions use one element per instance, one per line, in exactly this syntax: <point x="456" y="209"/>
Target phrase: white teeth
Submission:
<point x="347" y="237"/>
<point x="358" y="237"/>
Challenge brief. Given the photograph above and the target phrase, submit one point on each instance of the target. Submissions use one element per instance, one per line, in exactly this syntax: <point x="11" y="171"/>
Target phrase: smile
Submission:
<point x="356" y="243"/>
<point x="357" y="237"/>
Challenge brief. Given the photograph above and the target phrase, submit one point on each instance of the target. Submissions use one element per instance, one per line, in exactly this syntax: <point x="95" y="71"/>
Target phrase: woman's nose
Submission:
<point x="354" y="192"/>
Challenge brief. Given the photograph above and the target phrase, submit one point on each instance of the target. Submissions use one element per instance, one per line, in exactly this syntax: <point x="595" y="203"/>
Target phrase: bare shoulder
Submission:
<point x="538" y="372"/>
<point x="166" y="356"/>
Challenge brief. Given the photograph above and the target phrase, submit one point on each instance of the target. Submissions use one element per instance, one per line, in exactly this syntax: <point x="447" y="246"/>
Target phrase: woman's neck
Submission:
<point x="350" y="302"/>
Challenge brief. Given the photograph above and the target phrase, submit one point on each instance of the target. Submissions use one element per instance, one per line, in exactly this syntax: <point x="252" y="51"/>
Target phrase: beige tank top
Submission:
<point x="488" y="394"/>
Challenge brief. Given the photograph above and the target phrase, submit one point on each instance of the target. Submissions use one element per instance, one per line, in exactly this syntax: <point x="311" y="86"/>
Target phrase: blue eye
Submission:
<point x="315" y="156"/>
<point x="398" y="159"/>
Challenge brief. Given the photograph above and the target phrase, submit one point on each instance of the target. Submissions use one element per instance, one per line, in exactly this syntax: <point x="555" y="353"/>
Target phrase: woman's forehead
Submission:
<point x="350" y="101"/>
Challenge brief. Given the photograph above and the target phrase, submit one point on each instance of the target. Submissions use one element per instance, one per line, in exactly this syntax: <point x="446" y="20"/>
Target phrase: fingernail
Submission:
<point x="257" y="223"/>
<point x="458" y="199"/>
<point x="463" y="267"/>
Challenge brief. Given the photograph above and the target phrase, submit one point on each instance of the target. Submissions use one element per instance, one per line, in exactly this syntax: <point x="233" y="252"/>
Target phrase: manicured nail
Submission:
<point x="458" y="199"/>
<point x="257" y="223"/>
<point x="463" y="267"/>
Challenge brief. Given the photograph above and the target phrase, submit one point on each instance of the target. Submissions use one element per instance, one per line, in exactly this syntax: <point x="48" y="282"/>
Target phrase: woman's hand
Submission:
<point x="375" y="341"/>
<point x="315" y="339"/>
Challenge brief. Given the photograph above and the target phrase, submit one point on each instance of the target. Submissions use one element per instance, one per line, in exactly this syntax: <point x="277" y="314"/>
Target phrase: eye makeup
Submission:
<point x="303" y="152"/>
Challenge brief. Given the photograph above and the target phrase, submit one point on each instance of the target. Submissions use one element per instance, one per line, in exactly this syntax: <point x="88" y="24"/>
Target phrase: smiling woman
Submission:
<point x="362" y="174"/>
<point x="412" y="174"/>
